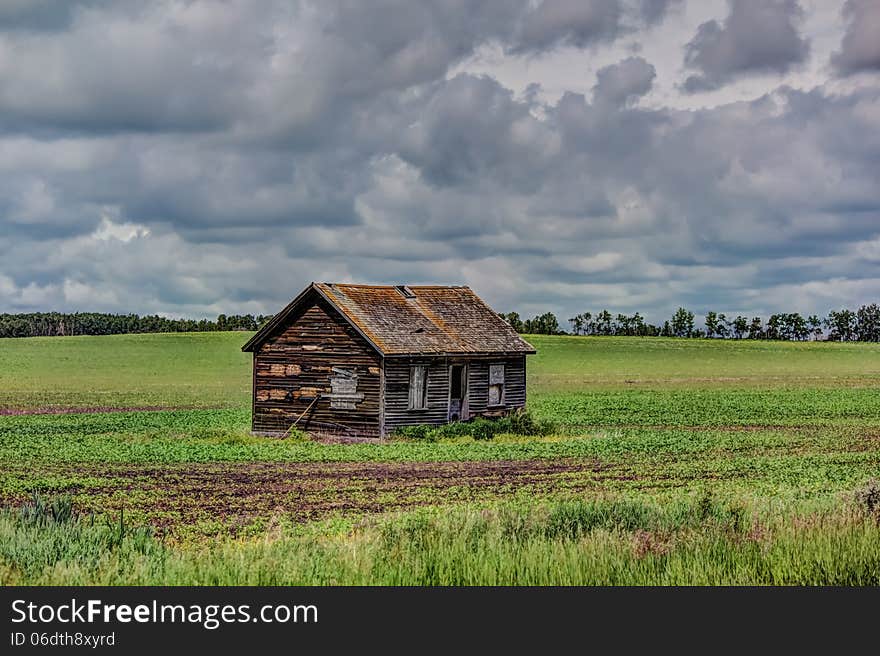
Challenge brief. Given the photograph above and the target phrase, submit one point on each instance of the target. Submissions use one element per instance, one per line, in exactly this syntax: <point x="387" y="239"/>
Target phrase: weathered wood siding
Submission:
<point x="397" y="371"/>
<point x="295" y="365"/>
<point x="514" y="384"/>
<point x="515" y="376"/>
<point x="478" y="386"/>
<point x="397" y="412"/>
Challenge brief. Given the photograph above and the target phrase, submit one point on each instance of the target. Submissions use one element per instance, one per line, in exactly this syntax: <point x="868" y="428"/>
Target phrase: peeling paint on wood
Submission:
<point x="308" y="373"/>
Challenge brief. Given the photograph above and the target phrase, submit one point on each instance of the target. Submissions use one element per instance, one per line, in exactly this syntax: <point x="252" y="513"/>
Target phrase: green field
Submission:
<point x="668" y="461"/>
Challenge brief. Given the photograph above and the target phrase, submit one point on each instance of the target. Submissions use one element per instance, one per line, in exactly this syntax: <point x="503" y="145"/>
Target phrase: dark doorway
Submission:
<point x="458" y="406"/>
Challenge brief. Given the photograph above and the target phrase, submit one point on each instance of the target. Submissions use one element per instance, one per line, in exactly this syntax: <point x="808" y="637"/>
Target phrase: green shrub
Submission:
<point x="479" y="428"/>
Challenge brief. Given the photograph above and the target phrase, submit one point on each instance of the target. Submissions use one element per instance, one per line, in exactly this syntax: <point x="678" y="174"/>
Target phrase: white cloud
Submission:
<point x="125" y="232"/>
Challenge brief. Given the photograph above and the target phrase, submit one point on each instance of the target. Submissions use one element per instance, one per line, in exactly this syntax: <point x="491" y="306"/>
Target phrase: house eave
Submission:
<point x="459" y="354"/>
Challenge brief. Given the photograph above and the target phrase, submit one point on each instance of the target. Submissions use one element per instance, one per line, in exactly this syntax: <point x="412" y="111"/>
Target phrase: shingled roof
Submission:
<point x="410" y="320"/>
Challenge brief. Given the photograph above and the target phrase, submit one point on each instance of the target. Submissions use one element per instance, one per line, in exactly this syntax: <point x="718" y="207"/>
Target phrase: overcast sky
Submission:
<point x="197" y="157"/>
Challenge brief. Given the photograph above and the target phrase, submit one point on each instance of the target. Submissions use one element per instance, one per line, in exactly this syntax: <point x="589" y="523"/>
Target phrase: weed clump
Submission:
<point x="518" y="423"/>
<point x="42" y="512"/>
<point x="868" y="499"/>
<point x="47" y="537"/>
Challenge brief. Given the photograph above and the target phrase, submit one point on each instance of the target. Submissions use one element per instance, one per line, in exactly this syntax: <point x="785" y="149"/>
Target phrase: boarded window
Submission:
<point x="344" y="394"/>
<point x="418" y="387"/>
<point x="496" y="384"/>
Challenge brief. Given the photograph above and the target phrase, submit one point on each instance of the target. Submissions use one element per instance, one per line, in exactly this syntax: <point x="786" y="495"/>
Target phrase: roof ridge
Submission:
<point x="391" y="286"/>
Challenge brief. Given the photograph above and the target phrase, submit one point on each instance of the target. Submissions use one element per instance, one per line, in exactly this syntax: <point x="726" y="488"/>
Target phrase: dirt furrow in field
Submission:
<point x="236" y="494"/>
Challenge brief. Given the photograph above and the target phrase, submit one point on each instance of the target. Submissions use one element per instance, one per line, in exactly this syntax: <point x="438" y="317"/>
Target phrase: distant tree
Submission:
<point x="604" y="323"/>
<point x="545" y="324"/>
<point x="683" y="323"/>
<point x="868" y="323"/>
<point x="666" y="331"/>
<point x="638" y="326"/>
<point x="587" y="320"/>
<point x="711" y="324"/>
<point x="841" y="325"/>
<point x="815" y="325"/>
<point x="796" y="327"/>
<point x="756" y="328"/>
<point x="514" y="321"/>
<point x="549" y="323"/>
<point x="740" y="326"/>
<point x="581" y="324"/>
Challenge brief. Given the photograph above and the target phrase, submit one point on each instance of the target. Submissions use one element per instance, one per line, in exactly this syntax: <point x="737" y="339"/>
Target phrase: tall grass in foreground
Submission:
<point x="692" y="541"/>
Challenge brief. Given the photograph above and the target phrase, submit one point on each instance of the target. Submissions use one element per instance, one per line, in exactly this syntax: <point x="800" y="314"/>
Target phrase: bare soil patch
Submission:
<point x="236" y="494"/>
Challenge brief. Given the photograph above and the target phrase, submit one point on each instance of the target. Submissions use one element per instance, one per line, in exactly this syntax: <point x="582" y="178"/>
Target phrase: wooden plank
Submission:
<point x="382" y="432"/>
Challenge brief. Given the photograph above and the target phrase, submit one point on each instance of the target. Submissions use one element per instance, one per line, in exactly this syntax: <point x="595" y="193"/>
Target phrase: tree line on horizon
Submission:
<point x="58" y="324"/>
<point x="862" y="325"/>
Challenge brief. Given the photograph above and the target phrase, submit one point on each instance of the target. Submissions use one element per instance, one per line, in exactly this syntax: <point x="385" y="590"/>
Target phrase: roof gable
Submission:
<point x="409" y="320"/>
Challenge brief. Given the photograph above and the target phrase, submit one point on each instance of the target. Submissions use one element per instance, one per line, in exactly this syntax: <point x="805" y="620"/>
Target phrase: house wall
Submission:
<point x="514" y="384"/>
<point x="397" y="411"/>
<point x="397" y="372"/>
<point x="296" y="364"/>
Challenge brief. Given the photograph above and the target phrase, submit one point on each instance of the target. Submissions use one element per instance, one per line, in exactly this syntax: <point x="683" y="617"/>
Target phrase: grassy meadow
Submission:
<point x="660" y="461"/>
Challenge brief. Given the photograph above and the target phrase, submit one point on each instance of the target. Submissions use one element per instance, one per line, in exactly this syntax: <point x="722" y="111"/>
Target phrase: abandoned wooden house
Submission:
<point x="366" y="359"/>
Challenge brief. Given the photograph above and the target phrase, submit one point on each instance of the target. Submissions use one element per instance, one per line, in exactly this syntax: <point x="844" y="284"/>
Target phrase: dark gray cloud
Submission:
<point x="757" y="36"/>
<point x="43" y="15"/>
<point x="563" y="22"/>
<point x="193" y="158"/>
<point x="147" y="67"/>
<point x="624" y="82"/>
<point x="654" y="11"/>
<point x="471" y="129"/>
<point x="550" y="24"/>
<point x="860" y="48"/>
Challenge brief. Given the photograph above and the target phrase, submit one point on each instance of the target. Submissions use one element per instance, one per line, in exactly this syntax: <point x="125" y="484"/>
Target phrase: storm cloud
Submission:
<point x="201" y="157"/>
<point x="757" y="36"/>
<point x="860" y="49"/>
